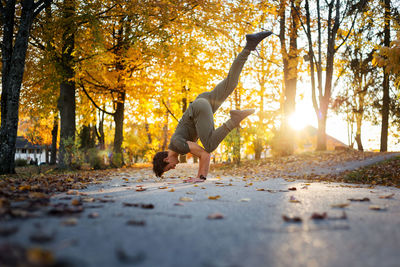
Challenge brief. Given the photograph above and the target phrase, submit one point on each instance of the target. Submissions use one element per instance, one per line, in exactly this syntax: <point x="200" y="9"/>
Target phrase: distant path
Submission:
<point x="353" y="165"/>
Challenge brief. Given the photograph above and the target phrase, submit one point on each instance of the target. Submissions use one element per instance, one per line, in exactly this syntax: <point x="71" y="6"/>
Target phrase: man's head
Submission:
<point x="162" y="162"/>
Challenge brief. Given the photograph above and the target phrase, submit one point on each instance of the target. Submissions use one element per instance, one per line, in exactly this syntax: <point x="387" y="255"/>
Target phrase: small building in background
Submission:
<point x="32" y="153"/>
<point x="306" y="140"/>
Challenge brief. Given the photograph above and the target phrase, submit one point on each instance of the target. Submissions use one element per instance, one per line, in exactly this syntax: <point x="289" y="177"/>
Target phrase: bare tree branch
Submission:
<point x="169" y="111"/>
<point x="93" y="102"/>
<point x="352" y="26"/>
<point x="39" y="6"/>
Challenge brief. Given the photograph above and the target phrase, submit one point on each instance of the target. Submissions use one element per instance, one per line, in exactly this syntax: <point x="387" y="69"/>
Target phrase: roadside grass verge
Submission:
<point x="385" y="173"/>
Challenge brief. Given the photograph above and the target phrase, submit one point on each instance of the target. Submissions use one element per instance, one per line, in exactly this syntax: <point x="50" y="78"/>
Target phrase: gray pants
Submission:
<point x="205" y="105"/>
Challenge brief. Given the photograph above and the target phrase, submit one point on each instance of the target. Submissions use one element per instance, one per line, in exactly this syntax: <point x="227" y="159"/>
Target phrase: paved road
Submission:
<point x="252" y="231"/>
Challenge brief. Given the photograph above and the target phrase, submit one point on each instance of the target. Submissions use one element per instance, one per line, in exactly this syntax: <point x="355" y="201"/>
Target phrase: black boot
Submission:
<point x="237" y="116"/>
<point x="252" y="40"/>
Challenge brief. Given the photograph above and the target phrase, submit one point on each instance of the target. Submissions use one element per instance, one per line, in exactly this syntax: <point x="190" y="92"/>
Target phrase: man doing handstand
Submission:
<point x="198" y="122"/>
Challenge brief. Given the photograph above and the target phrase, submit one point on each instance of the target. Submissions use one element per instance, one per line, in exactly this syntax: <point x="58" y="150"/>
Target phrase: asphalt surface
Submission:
<point x="127" y="231"/>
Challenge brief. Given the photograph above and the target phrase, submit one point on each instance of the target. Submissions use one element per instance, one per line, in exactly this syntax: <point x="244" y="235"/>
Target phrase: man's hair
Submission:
<point x="159" y="163"/>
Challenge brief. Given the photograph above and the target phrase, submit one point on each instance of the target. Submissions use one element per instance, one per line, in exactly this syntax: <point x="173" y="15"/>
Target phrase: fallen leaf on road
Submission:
<point x="103" y="200"/>
<point x="294" y="200"/>
<point x="140" y="189"/>
<point x="37" y="195"/>
<point x="294" y="219"/>
<point x="20" y="213"/>
<point x="245" y="200"/>
<point x="147" y="206"/>
<point x="136" y="223"/>
<point x="215" y="216"/>
<point x="88" y="199"/>
<point x="93" y="215"/>
<point x="141" y="205"/>
<point x="214" y="197"/>
<point x="163" y="187"/>
<point x="76" y="202"/>
<point x="61" y="209"/>
<point x="341" y="205"/>
<point x="319" y="216"/>
<point x="376" y="207"/>
<point x="359" y="199"/>
<point x="341" y="217"/>
<point x="7" y="231"/>
<point x="387" y="196"/>
<point x="123" y="256"/>
<point x="127" y="204"/>
<point x="171" y="190"/>
<point x="41" y="237"/>
<point x="203" y="187"/>
<point x="178" y="204"/>
<point x="260" y="189"/>
<point x="186" y="199"/>
<point x="292" y="188"/>
<point x="40" y="257"/>
<point x="70" y="222"/>
<point x="190" y="193"/>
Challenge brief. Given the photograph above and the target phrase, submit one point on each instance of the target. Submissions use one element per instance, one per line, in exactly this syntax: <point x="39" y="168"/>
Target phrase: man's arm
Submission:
<point x="204" y="158"/>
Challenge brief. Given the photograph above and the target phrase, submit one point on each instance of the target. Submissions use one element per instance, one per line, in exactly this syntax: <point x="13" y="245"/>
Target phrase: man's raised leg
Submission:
<point x="221" y="92"/>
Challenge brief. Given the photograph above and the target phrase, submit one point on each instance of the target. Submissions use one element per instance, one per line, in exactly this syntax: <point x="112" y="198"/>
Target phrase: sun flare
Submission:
<point x="298" y="120"/>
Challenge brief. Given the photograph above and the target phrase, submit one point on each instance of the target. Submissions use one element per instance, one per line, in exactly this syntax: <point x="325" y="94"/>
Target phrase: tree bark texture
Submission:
<point x="165" y="132"/>
<point x="54" y="136"/>
<point x="385" y="86"/>
<point x="119" y="122"/>
<point x="100" y="132"/>
<point x="13" y="49"/>
<point x="183" y="158"/>
<point x="290" y="63"/>
<point x="66" y="102"/>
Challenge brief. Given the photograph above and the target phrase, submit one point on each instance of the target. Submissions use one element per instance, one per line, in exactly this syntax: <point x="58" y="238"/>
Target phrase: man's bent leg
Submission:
<point x="204" y="122"/>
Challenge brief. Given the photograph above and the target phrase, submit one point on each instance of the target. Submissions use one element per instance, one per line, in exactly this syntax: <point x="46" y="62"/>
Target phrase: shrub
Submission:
<point x="117" y="160"/>
<point x="95" y="159"/>
<point x="21" y="162"/>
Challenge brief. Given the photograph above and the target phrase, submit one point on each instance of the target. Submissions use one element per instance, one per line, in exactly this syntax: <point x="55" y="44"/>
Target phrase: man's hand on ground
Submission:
<point x="193" y="180"/>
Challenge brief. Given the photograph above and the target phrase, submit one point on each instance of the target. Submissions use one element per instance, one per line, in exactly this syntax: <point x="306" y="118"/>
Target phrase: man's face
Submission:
<point x="172" y="161"/>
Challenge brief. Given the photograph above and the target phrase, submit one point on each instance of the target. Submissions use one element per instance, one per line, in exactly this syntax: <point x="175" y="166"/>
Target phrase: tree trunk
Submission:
<point x="66" y="102"/>
<point x="359" y="143"/>
<point x="54" y="136"/>
<point x="119" y="124"/>
<point x="182" y="158"/>
<point x="290" y="63"/>
<point x="100" y="136"/>
<point x="165" y="132"/>
<point x="236" y="132"/>
<point x="13" y="63"/>
<point x="360" y="113"/>
<point x="47" y="149"/>
<point x="146" y="126"/>
<point x="258" y="140"/>
<point x="386" y="97"/>
<point x="257" y="148"/>
<point x="321" y="134"/>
